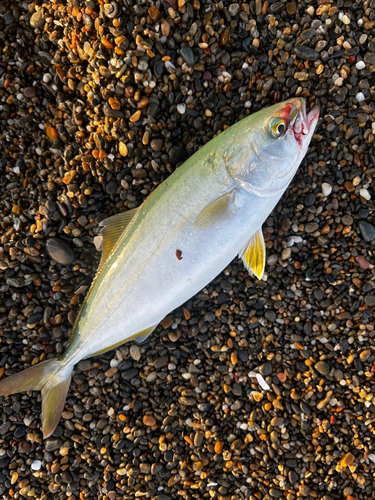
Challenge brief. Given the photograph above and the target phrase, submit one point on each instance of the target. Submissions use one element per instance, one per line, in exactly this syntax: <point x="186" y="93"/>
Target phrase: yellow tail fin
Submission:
<point x="50" y="377"/>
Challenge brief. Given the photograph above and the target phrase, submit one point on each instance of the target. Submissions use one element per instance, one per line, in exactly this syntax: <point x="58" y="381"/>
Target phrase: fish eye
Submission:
<point x="277" y="126"/>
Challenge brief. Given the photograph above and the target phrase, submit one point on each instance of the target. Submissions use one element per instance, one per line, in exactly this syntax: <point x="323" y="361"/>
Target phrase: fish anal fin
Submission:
<point x="138" y="337"/>
<point x="217" y="211"/>
<point x="254" y="254"/>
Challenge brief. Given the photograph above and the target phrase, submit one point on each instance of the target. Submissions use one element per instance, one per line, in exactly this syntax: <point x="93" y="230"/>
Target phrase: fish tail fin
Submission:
<point x="52" y="379"/>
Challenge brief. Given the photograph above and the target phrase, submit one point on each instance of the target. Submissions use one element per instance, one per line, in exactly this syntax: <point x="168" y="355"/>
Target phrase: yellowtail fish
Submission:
<point x="188" y="230"/>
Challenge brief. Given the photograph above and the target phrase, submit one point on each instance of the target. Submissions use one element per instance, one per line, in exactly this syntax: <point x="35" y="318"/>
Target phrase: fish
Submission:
<point x="157" y="256"/>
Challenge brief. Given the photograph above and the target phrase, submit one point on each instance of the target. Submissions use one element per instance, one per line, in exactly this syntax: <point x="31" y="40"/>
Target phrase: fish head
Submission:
<point x="276" y="140"/>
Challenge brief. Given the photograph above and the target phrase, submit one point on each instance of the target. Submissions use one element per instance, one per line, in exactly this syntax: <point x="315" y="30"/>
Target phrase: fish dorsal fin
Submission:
<point x="217" y="211"/>
<point x="112" y="229"/>
<point x="254" y="254"/>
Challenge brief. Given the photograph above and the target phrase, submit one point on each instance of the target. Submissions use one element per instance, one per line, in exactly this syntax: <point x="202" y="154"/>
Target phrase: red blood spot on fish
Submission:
<point x="179" y="254"/>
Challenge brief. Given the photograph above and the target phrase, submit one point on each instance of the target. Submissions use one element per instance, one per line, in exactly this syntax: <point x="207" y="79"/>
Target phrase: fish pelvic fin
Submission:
<point x="52" y="379"/>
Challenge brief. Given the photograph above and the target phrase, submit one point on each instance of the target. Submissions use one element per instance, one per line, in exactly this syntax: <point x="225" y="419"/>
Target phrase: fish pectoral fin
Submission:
<point x="112" y="229"/>
<point x="254" y="254"/>
<point x="217" y="211"/>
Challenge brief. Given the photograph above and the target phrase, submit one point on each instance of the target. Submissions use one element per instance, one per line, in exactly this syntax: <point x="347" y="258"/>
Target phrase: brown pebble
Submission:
<point x="135" y="117"/>
<point x="149" y="420"/>
<point x="291" y="8"/>
<point x="219" y="445"/>
<point x="154" y="13"/>
<point x="123" y="149"/>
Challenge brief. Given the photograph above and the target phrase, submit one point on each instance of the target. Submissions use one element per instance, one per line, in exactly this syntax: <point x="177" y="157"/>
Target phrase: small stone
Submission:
<point x="233" y="9"/>
<point x="135" y="352"/>
<point x="266" y="369"/>
<point x="363" y="263"/>
<point x="311" y="227"/>
<point x="306" y="53"/>
<point x="37" y="19"/>
<point x="123" y="149"/>
<point x="326" y="189"/>
<point x="346" y="19"/>
<point x="364" y="355"/>
<point x="36" y="465"/>
<point x="29" y="92"/>
<point x="154" y="13"/>
<point x="365" y="194"/>
<point x="360" y="97"/>
<point x="270" y="315"/>
<point x="370" y="300"/>
<point x="52" y="133"/>
<point x="360" y="65"/>
<point x="157" y="144"/>
<point x="348" y="459"/>
<point x="188" y="55"/>
<point x="181" y="108"/>
<point x="347" y="220"/>
<point x="309" y="200"/>
<point x="367" y="231"/>
<point x="322" y="367"/>
<point x="291" y="8"/>
<point x="277" y="421"/>
<point x="59" y="251"/>
<point x="286" y="253"/>
<point x="149" y="420"/>
<point x="369" y="58"/>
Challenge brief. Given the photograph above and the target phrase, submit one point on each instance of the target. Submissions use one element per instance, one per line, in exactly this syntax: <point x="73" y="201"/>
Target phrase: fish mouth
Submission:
<point x="303" y="124"/>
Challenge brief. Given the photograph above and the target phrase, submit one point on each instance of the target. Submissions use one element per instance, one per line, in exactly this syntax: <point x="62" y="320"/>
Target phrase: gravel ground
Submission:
<point x="99" y="102"/>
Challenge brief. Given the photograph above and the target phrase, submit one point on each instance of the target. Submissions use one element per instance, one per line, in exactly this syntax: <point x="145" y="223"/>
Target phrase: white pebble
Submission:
<point x="346" y="19"/>
<point x="365" y="194"/>
<point x="341" y="15"/>
<point x="36" y="465"/>
<point x="262" y="382"/>
<point x="339" y="81"/>
<point x="47" y="77"/>
<point x="247" y="104"/>
<point x="360" y="65"/>
<point x="360" y="97"/>
<point x="326" y="189"/>
<point x="181" y="108"/>
<point x="16" y="170"/>
<point x="310" y="10"/>
<point x="113" y="363"/>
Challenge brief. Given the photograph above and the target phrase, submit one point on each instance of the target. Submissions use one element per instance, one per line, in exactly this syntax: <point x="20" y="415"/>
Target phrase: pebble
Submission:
<point x="365" y="194"/>
<point x="367" y="230"/>
<point x="59" y="251"/>
<point x="322" y="367"/>
<point x="37" y="19"/>
<point x="135" y="352"/>
<point x="149" y="420"/>
<point x="326" y="189"/>
<point x="36" y="465"/>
